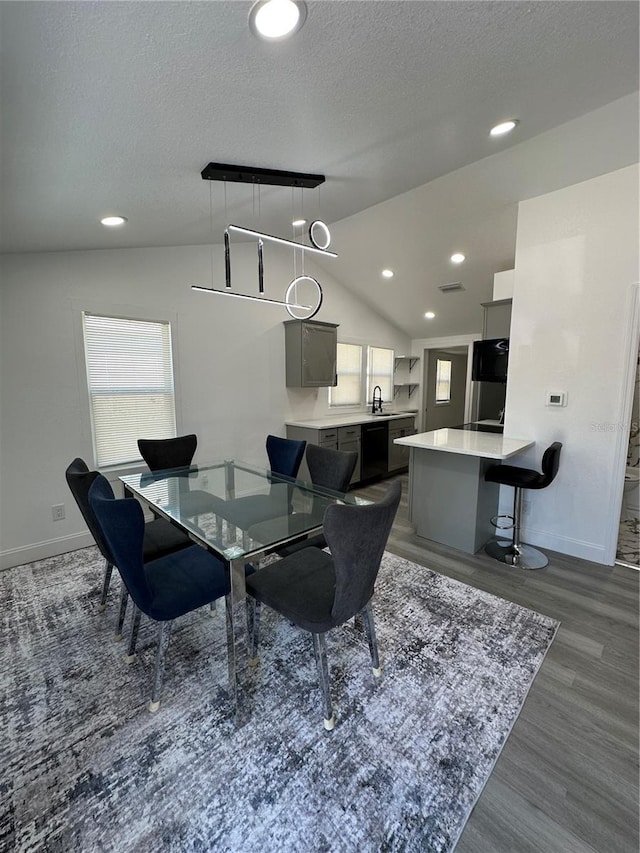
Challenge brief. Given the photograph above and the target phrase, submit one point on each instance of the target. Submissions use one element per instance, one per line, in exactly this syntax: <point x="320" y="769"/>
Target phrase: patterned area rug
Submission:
<point x="628" y="550"/>
<point x="86" y="767"/>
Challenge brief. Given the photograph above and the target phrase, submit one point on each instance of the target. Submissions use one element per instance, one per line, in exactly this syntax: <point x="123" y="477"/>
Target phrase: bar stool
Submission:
<point x="517" y="553"/>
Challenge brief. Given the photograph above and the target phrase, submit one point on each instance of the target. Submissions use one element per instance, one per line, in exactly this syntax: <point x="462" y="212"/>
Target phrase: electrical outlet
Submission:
<point x="57" y="512"/>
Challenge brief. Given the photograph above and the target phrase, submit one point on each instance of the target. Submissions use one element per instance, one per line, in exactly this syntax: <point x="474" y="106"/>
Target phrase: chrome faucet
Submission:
<point x="376" y="404"/>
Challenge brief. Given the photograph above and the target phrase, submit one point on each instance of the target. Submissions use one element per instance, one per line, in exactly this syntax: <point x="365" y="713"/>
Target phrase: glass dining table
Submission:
<point x="240" y="513"/>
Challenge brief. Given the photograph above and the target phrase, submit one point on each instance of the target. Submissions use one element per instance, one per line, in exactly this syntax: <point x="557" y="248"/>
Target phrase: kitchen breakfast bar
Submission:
<point x="449" y="500"/>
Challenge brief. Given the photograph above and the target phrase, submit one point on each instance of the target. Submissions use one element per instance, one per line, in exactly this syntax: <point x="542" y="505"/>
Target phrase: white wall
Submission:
<point x="576" y="264"/>
<point x="503" y="284"/>
<point x="230" y="367"/>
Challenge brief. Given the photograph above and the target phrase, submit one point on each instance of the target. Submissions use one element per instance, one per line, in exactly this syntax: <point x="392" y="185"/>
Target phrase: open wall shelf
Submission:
<point x="410" y="386"/>
<point x="411" y="360"/>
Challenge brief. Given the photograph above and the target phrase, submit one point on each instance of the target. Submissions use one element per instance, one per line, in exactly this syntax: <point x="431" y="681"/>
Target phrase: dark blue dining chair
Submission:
<point x="285" y="455"/>
<point x="317" y="591"/>
<point x="163" y="589"/>
<point x="160" y="537"/>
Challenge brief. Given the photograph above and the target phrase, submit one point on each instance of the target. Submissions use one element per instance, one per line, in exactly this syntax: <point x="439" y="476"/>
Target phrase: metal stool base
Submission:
<point x="519" y="556"/>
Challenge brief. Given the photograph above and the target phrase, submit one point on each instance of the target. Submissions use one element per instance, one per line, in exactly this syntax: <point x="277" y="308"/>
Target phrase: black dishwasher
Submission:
<point x="374" y="450"/>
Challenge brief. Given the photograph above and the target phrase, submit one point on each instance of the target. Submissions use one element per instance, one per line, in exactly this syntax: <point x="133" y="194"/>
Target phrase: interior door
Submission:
<point x="449" y="412"/>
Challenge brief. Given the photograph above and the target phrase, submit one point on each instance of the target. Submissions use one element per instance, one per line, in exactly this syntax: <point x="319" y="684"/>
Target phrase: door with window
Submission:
<point x="445" y="388"/>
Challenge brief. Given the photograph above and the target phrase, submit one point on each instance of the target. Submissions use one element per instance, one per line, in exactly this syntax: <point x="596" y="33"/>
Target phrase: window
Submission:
<point x="443" y="381"/>
<point x="130" y="381"/>
<point x="348" y="391"/>
<point x="380" y="372"/>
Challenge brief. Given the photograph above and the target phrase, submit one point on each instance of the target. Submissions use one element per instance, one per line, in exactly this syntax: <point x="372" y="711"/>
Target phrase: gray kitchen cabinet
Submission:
<point x="349" y="439"/>
<point x="321" y="437"/>
<point x="497" y="319"/>
<point x="310" y="353"/>
<point x="398" y="459"/>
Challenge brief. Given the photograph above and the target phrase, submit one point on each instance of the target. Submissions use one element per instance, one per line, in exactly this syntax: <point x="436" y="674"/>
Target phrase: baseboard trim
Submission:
<point x="590" y="551"/>
<point x="41" y="550"/>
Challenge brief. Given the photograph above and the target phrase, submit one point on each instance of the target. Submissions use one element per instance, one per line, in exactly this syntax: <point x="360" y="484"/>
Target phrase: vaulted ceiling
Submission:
<point x="115" y="107"/>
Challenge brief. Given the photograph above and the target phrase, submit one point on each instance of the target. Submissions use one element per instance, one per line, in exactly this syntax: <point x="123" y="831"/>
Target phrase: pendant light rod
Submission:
<point x="254" y="175"/>
<point x="248" y="296"/>
<point x="258" y="234"/>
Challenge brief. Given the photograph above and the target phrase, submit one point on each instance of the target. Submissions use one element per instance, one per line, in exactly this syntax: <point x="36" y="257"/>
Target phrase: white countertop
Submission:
<point x="333" y="421"/>
<point x="489" y="445"/>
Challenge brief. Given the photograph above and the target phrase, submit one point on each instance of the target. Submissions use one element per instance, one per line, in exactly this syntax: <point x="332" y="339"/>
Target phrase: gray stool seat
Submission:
<point x="517" y="553"/>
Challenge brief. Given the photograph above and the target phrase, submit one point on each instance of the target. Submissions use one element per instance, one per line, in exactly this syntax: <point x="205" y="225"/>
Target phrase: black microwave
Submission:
<point x="490" y="360"/>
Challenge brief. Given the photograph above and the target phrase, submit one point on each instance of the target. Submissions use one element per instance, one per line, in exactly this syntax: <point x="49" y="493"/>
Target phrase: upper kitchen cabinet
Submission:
<point x="497" y="319"/>
<point x="311" y="352"/>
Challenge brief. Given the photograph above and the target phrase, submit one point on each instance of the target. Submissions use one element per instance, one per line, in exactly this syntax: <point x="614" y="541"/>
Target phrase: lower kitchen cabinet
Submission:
<point x="398" y="457"/>
<point x="349" y="439"/>
<point x="378" y="456"/>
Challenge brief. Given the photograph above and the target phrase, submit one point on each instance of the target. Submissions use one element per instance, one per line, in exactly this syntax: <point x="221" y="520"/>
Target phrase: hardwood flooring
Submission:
<point x="567" y="779"/>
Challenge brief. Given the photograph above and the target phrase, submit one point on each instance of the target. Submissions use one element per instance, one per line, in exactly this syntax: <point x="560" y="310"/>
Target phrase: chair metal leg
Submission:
<point x="370" y="630"/>
<point x="231" y="650"/>
<point x="320" y="649"/>
<point x="213" y="608"/>
<point x="517" y="553"/>
<point x="163" y="643"/>
<point x="133" y="638"/>
<point x="124" y="597"/>
<point x="254" y="631"/>
<point x="108" y="569"/>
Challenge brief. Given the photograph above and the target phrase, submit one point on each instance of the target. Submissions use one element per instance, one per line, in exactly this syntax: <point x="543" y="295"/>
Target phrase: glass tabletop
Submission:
<point x="234" y="508"/>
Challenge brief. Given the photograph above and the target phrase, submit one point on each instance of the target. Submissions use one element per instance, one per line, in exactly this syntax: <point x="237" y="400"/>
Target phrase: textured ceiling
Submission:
<point x="115" y="107"/>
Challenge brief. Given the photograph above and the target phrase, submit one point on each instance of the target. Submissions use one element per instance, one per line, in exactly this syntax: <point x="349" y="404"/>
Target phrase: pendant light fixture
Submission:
<point x="319" y="236"/>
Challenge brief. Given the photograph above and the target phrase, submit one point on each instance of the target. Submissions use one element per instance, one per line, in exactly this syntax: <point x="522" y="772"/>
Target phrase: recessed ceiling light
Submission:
<point x="113" y="221"/>
<point x="274" y="20"/>
<point x="457" y="258"/>
<point x="298" y="223"/>
<point x="387" y="273"/>
<point x="503" y="127"/>
<point x="429" y="315"/>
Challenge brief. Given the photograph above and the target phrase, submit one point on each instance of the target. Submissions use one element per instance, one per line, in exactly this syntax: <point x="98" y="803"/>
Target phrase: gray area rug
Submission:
<point x="85" y="767"/>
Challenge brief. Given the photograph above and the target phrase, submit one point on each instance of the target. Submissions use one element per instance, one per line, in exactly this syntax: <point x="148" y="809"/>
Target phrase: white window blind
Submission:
<point x="443" y="381"/>
<point x="380" y="372"/>
<point x="348" y="391"/>
<point x="130" y="381"/>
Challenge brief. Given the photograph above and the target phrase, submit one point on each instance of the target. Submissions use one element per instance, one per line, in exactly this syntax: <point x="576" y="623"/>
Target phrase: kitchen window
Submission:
<point x="130" y="382"/>
<point x="380" y="372"/>
<point x="348" y="391"/>
<point x="443" y="381"/>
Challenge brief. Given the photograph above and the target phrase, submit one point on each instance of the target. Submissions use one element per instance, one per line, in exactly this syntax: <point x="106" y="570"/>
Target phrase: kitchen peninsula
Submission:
<point x="449" y="500"/>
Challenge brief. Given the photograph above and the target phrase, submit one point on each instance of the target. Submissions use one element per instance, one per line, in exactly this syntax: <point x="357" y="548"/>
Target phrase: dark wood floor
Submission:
<point x="567" y="779"/>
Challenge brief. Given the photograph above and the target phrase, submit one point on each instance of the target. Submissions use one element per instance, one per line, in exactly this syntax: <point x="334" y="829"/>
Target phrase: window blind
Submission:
<point x="130" y="382"/>
<point x="380" y="372"/>
<point x="348" y="391"/>
<point x="443" y="381"/>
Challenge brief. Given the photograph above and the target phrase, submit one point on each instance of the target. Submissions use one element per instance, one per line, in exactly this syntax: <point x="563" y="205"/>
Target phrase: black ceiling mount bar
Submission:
<point x="253" y="175"/>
